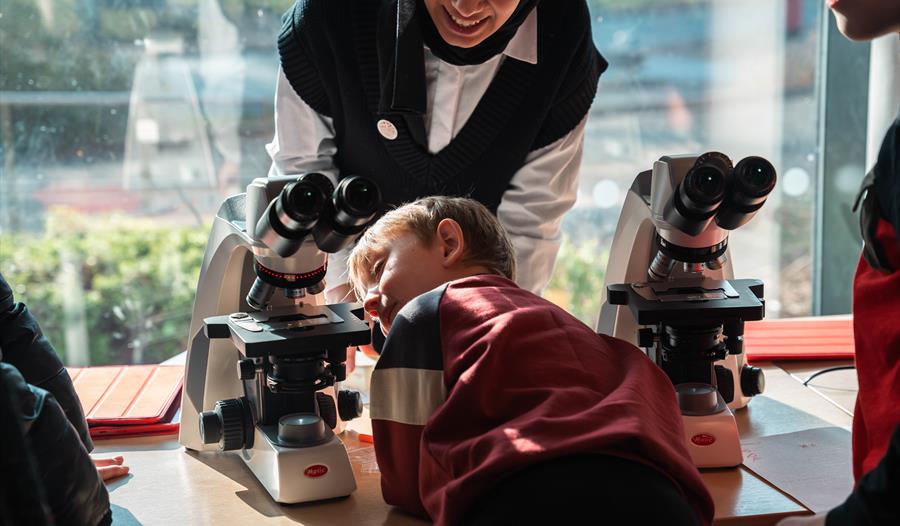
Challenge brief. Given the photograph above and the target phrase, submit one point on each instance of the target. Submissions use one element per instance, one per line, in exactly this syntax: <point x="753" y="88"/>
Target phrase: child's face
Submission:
<point x="402" y="271"/>
<point x="866" y="19"/>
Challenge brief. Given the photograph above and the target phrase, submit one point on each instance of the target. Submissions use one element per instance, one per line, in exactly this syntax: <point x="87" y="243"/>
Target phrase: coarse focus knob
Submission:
<point x="246" y="369"/>
<point x="753" y="380"/>
<point x="350" y="405"/>
<point x="224" y="425"/>
<point x="327" y="409"/>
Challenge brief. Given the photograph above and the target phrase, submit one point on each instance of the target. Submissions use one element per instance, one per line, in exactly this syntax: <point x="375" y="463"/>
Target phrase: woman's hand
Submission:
<point x="110" y="468"/>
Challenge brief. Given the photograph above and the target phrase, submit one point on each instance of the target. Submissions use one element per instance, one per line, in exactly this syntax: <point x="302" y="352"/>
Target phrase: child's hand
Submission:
<point x="110" y="468"/>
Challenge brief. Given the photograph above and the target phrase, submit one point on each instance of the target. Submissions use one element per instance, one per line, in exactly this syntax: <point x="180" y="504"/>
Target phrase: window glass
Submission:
<point x="124" y="123"/>
<point x="687" y="77"/>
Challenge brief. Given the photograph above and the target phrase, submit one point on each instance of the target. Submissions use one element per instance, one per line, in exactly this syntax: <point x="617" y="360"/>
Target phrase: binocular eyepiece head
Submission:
<point x="713" y="190"/>
<point x="311" y="204"/>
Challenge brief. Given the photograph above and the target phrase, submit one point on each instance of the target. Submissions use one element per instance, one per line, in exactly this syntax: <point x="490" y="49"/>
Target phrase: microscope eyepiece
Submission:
<point x="698" y="196"/>
<point x="751" y="183"/>
<point x="291" y="216"/>
<point x="303" y="199"/>
<point x="704" y="185"/>
<point x="754" y="179"/>
<point x="355" y="202"/>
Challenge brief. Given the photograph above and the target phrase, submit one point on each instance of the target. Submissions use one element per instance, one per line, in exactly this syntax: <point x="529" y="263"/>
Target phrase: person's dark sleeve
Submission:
<point x="876" y="499"/>
<point x="73" y="490"/>
<point x="23" y="345"/>
<point x="887" y="176"/>
<point x="22" y="501"/>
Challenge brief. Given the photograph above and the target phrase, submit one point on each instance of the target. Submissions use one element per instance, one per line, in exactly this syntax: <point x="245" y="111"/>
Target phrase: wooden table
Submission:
<point x="168" y="485"/>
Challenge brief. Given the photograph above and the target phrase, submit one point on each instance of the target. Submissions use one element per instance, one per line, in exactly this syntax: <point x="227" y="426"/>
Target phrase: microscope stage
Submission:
<point x="690" y="300"/>
<point x="289" y="330"/>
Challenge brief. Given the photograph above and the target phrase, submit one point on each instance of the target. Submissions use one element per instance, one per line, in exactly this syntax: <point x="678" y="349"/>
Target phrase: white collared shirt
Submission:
<point x="540" y="192"/>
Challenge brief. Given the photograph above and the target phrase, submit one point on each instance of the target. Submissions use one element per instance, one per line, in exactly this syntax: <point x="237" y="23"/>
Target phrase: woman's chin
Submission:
<point x="459" y="40"/>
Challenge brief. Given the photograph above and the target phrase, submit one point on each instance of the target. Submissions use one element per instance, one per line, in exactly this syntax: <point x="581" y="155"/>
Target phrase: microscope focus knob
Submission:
<point x="753" y="381"/>
<point x="327" y="409"/>
<point x="210" y="427"/>
<point x="246" y="369"/>
<point x="226" y="424"/>
<point x="350" y="405"/>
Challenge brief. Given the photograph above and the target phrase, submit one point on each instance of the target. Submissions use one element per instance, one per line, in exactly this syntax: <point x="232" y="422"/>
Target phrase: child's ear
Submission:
<point x="451" y="241"/>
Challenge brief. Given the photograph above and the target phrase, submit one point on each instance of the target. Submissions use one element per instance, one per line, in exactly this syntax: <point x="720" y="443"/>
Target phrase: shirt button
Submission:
<point x="387" y="129"/>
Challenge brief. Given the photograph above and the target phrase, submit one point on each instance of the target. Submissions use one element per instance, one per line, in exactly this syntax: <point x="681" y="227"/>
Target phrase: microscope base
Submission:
<point x="304" y="474"/>
<point x="713" y="440"/>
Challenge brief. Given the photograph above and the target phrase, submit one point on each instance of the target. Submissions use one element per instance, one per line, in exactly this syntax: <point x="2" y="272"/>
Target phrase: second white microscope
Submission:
<point x="670" y="289"/>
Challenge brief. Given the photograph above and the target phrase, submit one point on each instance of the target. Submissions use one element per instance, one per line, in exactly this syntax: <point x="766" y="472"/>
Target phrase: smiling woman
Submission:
<point x="480" y="98"/>
<point x="467" y="23"/>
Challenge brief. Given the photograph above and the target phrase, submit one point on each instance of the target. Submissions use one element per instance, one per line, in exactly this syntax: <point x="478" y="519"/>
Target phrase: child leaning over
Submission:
<point x="491" y="405"/>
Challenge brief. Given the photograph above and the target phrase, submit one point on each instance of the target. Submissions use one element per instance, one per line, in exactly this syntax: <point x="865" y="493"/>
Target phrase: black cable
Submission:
<point x="828" y="370"/>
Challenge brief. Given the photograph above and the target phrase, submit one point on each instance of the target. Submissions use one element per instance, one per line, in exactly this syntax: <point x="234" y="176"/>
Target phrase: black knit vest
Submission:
<point x="329" y="56"/>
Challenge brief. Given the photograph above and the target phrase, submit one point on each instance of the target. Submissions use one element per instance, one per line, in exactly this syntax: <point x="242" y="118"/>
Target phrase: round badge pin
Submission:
<point x="387" y="129"/>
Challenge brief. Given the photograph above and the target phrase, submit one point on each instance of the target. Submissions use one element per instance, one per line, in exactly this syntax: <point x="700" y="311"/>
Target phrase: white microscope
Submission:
<point x="258" y="361"/>
<point x="670" y="289"/>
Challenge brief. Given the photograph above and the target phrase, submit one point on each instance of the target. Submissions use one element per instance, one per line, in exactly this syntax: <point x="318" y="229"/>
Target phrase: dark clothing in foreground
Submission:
<point x="876" y="499"/>
<point x="47" y="475"/>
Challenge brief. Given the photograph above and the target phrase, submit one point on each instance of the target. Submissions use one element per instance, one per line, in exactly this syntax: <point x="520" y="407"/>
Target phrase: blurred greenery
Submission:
<point x="137" y="278"/>
<point x="578" y="279"/>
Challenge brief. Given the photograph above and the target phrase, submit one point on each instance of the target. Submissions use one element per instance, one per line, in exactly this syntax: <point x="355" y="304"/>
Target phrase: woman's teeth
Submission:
<point x="466" y="23"/>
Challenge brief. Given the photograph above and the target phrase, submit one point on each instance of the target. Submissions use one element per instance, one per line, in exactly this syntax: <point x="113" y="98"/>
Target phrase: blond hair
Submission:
<point x="486" y="245"/>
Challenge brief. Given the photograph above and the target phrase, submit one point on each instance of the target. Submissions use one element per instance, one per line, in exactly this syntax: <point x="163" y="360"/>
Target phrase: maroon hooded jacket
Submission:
<point x="479" y="379"/>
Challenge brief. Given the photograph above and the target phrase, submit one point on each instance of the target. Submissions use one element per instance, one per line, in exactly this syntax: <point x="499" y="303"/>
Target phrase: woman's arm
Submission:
<point x="540" y="194"/>
<point x="304" y="139"/>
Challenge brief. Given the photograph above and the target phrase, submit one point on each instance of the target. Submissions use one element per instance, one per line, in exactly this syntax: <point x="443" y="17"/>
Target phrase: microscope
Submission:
<point x="670" y="289"/>
<point x="260" y="365"/>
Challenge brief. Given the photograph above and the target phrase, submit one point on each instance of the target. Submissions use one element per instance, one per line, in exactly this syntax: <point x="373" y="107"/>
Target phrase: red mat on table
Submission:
<point x="820" y="338"/>
<point x="129" y="400"/>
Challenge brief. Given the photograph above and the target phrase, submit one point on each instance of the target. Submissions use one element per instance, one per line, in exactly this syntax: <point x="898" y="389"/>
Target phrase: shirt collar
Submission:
<point x="523" y="46"/>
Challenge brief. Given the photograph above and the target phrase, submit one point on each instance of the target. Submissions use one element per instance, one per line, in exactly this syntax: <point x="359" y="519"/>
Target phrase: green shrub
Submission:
<point x="578" y="279"/>
<point x="137" y="277"/>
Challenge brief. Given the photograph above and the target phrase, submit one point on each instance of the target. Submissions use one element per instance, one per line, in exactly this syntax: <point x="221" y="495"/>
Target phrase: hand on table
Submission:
<point x="110" y="468"/>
